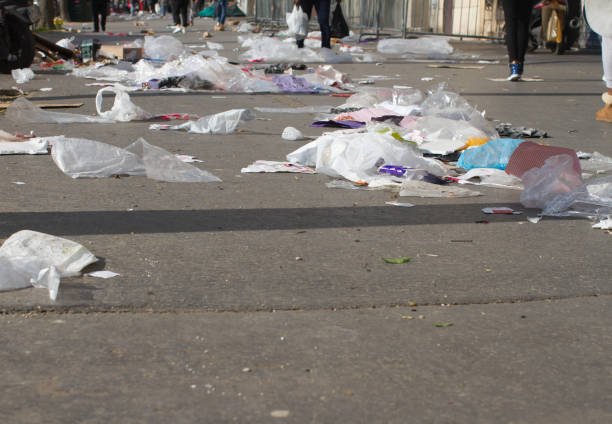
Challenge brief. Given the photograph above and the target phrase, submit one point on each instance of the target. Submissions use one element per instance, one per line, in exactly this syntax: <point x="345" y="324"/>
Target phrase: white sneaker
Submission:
<point x="183" y="30"/>
<point x="175" y="30"/>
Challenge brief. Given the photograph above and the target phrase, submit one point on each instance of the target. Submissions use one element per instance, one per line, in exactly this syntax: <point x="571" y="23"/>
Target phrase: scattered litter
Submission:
<point x="534" y="219"/>
<point x="596" y="162"/>
<point x="501" y="210"/>
<point x="427" y="79"/>
<point x="271" y="166"/>
<point x="494" y="154"/>
<point x="102" y="274"/>
<point x="220" y="123"/>
<point x="21" y="76"/>
<point x="46" y="89"/>
<point x="81" y="158"/>
<point x="29" y="258"/>
<point x="188" y="159"/>
<point x="123" y="109"/>
<point x="443" y="324"/>
<point x="22" y="110"/>
<point x="33" y="146"/>
<point x="397" y="260"/>
<point x="490" y="177"/>
<point x="604" y="224"/>
<point x="18" y="182"/>
<point x="279" y="413"/>
<point x="396" y="203"/>
<point x="432" y="47"/>
<point x="292" y="134"/>
<point x="508" y="131"/>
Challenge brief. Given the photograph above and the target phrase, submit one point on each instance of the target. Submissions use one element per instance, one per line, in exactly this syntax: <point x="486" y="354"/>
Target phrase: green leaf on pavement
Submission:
<point x="397" y="260"/>
<point x="444" y="324"/>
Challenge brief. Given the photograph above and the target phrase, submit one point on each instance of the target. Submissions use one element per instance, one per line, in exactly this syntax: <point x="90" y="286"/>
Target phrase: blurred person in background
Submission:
<point x="599" y="17"/>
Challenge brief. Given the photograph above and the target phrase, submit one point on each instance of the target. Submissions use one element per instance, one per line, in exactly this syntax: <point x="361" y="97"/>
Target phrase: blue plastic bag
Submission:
<point x="494" y="154"/>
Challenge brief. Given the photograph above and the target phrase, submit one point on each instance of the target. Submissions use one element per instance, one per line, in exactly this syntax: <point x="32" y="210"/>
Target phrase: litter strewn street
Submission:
<point x="344" y="288"/>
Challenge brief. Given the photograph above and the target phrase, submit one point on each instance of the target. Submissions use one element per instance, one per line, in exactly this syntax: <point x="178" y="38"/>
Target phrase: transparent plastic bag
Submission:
<point x="21" y="76"/>
<point x="162" y="165"/>
<point x="297" y="21"/>
<point x="553" y="186"/>
<point x="81" y="158"/>
<point x="22" y="110"/>
<point x="219" y="123"/>
<point x="123" y="109"/>
<point x="164" y="47"/>
<point x="33" y="146"/>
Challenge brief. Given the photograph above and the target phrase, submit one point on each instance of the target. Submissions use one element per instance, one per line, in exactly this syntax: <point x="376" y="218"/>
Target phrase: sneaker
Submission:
<point x="183" y="30"/>
<point x="514" y="72"/>
<point x="175" y="30"/>
<point x="605" y="114"/>
<point x="520" y="69"/>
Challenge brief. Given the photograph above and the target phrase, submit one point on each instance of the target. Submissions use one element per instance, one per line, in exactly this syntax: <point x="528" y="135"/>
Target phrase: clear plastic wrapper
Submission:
<point x="81" y="158"/>
<point x="22" y="110"/>
<point x="164" y="47"/>
<point x="551" y="186"/>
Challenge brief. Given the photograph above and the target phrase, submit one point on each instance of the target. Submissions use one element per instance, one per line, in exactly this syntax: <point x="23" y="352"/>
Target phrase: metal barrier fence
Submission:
<point x="458" y="18"/>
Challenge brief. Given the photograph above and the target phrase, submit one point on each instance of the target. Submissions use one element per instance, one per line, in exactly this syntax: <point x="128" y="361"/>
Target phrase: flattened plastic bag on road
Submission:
<point x="29" y="258"/>
<point x="292" y="134"/>
<point x="81" y="158"/>
<point x="552" y="185"/>
<point x="494" y="154"/>
<point x="33" y="146"/>
<point x="22" y="110"/>
<point x="220" y="123"/>
<point x="162" y="165"/>
<point x="434" y="47"/>
<point x="123" y="109"/>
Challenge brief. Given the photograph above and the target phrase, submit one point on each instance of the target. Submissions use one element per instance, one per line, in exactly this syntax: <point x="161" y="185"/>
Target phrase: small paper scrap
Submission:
<point x="604" y="224"/>
<point x="501" y="210"/>
<point x="534" y="219"/>
<point x="18" y="182"/>
<point x="102" y="274"/>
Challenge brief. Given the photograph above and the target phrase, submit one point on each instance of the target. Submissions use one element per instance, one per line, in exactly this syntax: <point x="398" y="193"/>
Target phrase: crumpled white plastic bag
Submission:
<point x="220" y="123"/>
<point x="292" y="134"/>
<point x="32" y="258"/>
<point x="81" y="158"/>
<point x="22" y="110"/>
<point x="297" y="21"/>
<point x="123" y="110"/>
<point x="21" y="76"/>
<point x="357" y="157"/>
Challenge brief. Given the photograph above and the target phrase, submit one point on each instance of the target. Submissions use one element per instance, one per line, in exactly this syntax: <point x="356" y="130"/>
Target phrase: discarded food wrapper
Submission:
<point x="271" y="166"/>
<point x="501" y="210"/>
<point x="292" y="134"/>
<point x="21" y="76"/>
<point x="494" y="154"/>
<point x="491" y="177"/>
<point x="29" y="258"/>
<point x="534" y="219"/>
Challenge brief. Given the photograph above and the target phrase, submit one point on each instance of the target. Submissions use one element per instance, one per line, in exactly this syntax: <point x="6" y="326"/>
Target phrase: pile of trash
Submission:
<point x="432" y="145"/>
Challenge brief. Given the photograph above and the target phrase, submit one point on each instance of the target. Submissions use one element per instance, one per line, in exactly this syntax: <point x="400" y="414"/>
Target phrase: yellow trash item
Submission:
<point x="473" y="142"/>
